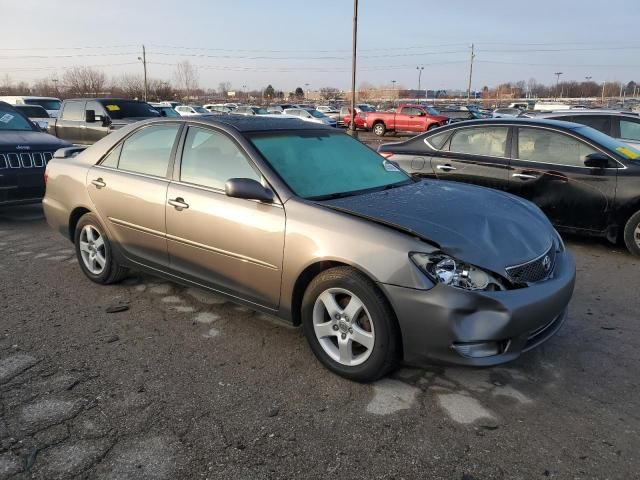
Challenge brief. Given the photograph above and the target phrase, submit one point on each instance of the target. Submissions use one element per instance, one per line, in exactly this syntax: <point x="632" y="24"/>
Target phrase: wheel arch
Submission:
<point x="313" y="270"/>
<point x="74" y="218"/>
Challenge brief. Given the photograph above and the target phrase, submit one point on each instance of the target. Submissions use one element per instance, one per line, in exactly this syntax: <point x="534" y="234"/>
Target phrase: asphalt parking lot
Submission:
<point x="181" y="384"/>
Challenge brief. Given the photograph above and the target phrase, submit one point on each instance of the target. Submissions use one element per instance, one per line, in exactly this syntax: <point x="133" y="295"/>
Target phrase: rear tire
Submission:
<point x="357" y="336"/>
<point x="379" y="129"/>
<point x="94" y="252"/>
<point x="632" y="234"/>
<point x="432" y="126"/>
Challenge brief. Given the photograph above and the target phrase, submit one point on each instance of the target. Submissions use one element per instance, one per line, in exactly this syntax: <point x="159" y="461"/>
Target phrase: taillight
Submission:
<point x="46" y="176"/>
<point x="386" y="154"/>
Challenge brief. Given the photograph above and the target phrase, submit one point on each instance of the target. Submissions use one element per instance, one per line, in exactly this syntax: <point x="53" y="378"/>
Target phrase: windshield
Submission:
<point x="316" y="114"/>
<point x="366" y="108"/>
<point x="431" y="110"/>
<point x="201" y="110"/>
<point x="621" y="148"/>
<point x="52" y="104"/>
<point x="319" y="166"/>
<point x="11" y="120"/>
<point x="118" y="109"/>
<point x="260" y="111"/>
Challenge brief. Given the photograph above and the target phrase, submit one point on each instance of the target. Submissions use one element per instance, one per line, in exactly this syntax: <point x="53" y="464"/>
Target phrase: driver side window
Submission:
<point x="547" y="146"/>
<point x="211" y="158"/>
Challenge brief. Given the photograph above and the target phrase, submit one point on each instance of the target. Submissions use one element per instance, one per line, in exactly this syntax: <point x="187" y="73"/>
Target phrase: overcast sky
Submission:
<point x="291" y="43"/>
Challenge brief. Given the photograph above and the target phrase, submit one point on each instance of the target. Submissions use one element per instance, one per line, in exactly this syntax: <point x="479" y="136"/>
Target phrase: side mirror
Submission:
<point x="248" y="189"/>
<point x="422" y="114"/>
<point x="106" y="121"/>
<point x="90" y="116"/>
<point x="163" y="113"/>
<point x="596" y="160"/>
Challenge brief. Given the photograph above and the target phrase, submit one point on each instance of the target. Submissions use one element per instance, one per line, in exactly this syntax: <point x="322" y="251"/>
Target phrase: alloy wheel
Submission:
<point x="636" y="235"/>
<point x="343" y="326"/>
<point x="92" y="250"/>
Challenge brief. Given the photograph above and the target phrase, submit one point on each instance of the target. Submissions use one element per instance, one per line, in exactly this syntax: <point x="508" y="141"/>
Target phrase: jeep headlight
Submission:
<point x="442" y="268"/>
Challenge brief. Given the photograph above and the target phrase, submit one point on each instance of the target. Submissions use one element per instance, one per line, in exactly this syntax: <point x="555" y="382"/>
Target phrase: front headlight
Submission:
<point x="560" y="241"/>
<point x="442" y="268"/>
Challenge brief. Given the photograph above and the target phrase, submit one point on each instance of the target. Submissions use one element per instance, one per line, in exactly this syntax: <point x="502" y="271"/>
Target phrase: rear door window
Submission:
<point x="630" y="130"/>
<point x="599" y="122"/>
<point x="148" y="151"/>
<point x="490" y="141"/>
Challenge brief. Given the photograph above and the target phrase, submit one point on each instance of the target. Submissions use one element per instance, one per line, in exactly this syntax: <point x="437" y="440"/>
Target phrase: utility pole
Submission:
<point x="143" y="59"/>
<point x="603" y="85"/>
<point x="352" y="124"/>
<point x="557" y="74"/>
<point x="393" y="93"/>
<point x="470" y="73"/>
<point x="420" y="69"/>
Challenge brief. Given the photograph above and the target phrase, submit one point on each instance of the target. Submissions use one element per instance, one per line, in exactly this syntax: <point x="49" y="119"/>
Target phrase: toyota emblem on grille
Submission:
<point x="546" y="263"/>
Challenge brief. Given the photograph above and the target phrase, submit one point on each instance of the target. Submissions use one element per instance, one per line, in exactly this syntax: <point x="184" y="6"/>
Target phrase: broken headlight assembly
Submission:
<point x="442" y="268"/>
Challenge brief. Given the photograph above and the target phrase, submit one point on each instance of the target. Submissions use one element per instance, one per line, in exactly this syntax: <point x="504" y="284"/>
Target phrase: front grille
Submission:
<point x="24" y="159"/>
<point x="535" y="270"/>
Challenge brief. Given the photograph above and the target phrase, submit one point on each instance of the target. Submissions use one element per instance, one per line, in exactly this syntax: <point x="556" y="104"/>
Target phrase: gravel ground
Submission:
<point x="181" y="384"/>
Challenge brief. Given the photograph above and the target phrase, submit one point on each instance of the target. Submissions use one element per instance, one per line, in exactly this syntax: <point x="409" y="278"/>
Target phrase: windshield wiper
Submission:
<point x="333" y="196"/>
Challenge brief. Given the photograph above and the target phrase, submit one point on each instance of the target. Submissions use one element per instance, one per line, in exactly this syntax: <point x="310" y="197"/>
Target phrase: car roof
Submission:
<point x="535" y="121"/>
<point x="583" y="112"/>
<point x="244" y="124"/>
<point x="103" y="100"/>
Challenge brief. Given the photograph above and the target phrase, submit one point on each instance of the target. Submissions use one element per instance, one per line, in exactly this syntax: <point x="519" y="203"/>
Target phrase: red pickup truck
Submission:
<point x="406" y="118"/>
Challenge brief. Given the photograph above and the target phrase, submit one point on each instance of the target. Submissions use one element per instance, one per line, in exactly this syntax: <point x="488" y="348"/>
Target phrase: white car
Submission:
<point x="191" y="110"/>
<point x="217" y="108"/>
<point x="50" y="104"/>
<point x="311" y="115"/>
<point x="327" y="109"/>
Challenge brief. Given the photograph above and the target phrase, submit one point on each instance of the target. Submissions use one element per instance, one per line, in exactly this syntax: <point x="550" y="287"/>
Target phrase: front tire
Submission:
<point x="379" y="129"/>
<point x="632" y="234"/>
<point x="94" y="252"/>
<point x="349" y="325"/>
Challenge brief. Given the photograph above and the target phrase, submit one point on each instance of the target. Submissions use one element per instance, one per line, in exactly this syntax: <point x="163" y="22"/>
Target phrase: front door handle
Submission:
<point x="524" y="176"/>
<point x="99" y="183"/>
<point x="445" y="168"/>
<point x="178" y="203"/>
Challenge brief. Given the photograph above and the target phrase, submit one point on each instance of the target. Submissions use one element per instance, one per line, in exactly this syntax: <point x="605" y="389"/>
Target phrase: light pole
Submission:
<point x="306" y="85"/>
<point x="352" y="124"/>
<point x="588" y="79"/>
<point x="393" y="93"/>
<point x="420" y="69"/>
<point x="143" y="59"/>
<point x="244" y="91"/>
<point x="557" y="74"/>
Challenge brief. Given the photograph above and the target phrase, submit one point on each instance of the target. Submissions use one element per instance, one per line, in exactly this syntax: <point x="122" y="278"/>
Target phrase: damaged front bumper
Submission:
<point x="477" y="328"/>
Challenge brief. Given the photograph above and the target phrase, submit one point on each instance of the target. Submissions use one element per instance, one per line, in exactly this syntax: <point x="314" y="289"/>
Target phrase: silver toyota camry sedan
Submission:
<point x="303" y="222"/>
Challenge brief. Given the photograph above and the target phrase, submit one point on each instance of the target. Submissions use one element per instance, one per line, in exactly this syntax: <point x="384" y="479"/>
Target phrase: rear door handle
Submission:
<point x="524" y="176"/>
<point x="99" y="183"/>
<point x="445" y="168"/>
<point x="178" y="203"/>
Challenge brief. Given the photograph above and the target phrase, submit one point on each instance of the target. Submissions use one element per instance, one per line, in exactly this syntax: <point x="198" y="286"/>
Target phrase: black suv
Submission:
<point x="24" y="153"/>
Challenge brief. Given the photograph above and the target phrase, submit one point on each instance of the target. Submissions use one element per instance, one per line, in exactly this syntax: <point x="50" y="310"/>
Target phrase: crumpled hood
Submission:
<point x="484" y="227"/>
<point x="11" y="139"/>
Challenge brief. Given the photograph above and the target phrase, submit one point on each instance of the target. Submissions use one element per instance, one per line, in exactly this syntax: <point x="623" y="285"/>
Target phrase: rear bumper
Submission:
<point x="438" y="324"/>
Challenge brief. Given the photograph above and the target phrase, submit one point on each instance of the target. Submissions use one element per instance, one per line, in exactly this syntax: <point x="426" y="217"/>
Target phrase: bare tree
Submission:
<point x="84" y="81"/>
<point x="223" y="88"/>
<point x="187" y="77"/>
<point x="130" y="86"/>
